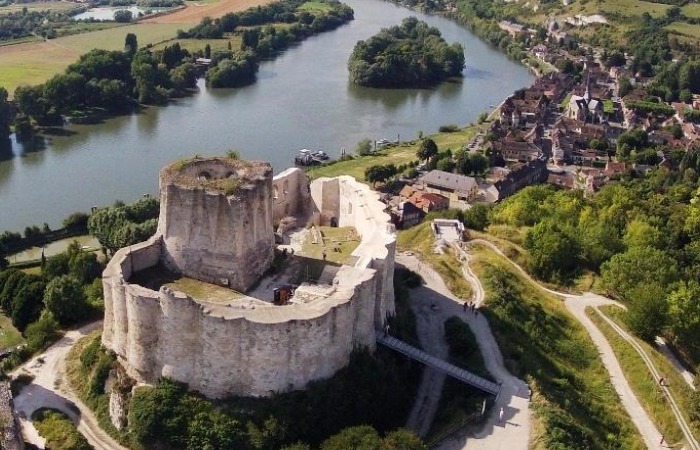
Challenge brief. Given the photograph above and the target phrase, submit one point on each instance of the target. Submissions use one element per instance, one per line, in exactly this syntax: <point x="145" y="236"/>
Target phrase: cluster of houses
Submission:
<point x="562" y="130"/>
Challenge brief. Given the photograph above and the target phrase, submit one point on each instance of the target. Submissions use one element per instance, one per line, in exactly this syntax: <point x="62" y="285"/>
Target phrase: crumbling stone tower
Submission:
<point x="216" y="220"/>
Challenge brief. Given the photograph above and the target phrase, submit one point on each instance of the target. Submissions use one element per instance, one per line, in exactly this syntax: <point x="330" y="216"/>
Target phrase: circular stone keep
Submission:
<point x="216" y="220"/>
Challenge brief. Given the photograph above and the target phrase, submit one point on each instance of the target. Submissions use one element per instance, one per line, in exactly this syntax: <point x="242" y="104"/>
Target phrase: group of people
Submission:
<point x="471" y="306"/>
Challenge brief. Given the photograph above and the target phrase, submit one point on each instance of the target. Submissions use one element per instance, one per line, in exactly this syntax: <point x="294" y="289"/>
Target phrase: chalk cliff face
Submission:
<point x="221" y="350"/>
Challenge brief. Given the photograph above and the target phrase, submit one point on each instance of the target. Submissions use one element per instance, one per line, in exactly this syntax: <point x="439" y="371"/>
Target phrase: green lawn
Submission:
<point x="9" y="335"/>
<point x="574" y="403"/>
<point x="394" y="154"/>
<point x="632" y="7"/>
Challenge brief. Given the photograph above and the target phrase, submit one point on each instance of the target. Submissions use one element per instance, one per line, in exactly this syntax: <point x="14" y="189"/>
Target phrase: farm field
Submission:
<point x="685" y="29"/>
<point x="35" y="62"/>
<point x="632" y="7"/>
<point x="39" y="6"/>
<point x="691" y="10"/>
<point x="192" y="45"/>
<point x="196" y="11"/>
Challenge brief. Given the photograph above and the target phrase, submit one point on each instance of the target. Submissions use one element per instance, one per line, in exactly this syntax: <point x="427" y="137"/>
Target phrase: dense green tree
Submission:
<point x="237" y="71"/>
<point x="684" y="314"/>
<point x="427" y="149"/>
<point x="410" y="55"/>
<point x="402" y="439"/>
<point x="65" y="300"/>
<point x="641" y="234"/>
<point x="477" y="217"/>
<point x="14" y="280"/>
<point x="554" y="250"/>
<point x="364" y="147"/>
<point x="5" y="114"/>
<point x="356" y="438"/>
<point x="27" y="304"/>
<point x="123" y="16"/>
<point x="56" y="265"/>
<point x="215" y="431"/>
<point x="647" y="311"/>
<point x="638" y="266"/>
<point x="42" y="333"/>
<point x="130" y="44"/>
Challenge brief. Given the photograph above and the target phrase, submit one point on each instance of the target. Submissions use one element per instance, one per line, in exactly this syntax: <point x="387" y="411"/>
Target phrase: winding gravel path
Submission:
<point x="49" y="389"/>
<point x="576" y="304"/>
<point x="511" y="433"/>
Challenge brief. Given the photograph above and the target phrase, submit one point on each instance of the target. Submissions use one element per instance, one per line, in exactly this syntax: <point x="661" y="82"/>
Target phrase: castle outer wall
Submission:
<point x="222" y="350"/>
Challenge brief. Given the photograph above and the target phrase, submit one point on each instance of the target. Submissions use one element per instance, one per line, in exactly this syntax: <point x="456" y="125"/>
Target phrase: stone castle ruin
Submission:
<point x="195" y="302"/>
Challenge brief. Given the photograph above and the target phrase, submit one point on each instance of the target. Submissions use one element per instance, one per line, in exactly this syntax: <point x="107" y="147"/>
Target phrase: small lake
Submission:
<point x="107" y="13"/>
<point x="302" y="99"/>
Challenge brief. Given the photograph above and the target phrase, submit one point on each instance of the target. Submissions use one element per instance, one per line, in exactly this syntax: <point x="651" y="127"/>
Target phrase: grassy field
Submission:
<point x="685" y="29"/>
<point x="645" y="387"/>
<point x="679" y="388"/>
<point x="196" y="11"/>
<point x="574" y="403"/>
<point x="9" y="335"/>
<point x="38" y="6"/>
<point x="691" y="10"/>
<point x="192" y="45"/>
<point x="315" y="7"/>
<point x="36" y="62"/>
<point x="419" y="239"/>
<point x="395" y="154"/>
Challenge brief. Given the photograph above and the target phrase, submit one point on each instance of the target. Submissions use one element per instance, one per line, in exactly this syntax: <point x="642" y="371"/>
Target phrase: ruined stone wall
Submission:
<point x="290" y="194"/>
<point x="221" y="351"/>
<point x="216" y="220"/>
<point x="351" y="203"/>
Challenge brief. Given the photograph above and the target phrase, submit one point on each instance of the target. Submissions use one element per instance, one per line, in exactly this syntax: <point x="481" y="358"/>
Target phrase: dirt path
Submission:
<point x="576" y="304"/>
<point x="513" y="431"/>
<point x="50" y="390"/>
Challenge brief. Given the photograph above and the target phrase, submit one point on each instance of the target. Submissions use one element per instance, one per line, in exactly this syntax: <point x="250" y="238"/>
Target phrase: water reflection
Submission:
<point x="6" y="149"/>
<point x="302" y="99"/>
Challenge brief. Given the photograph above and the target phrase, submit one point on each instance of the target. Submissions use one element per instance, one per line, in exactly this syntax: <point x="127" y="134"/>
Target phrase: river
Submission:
<point x="302" y="99"/>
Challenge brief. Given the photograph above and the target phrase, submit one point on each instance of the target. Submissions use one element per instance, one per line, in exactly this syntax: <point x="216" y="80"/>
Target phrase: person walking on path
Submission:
<point x="500" y="416"/>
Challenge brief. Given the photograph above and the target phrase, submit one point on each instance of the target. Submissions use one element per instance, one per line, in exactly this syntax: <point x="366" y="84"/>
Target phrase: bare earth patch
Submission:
<point x="194" y="13"/>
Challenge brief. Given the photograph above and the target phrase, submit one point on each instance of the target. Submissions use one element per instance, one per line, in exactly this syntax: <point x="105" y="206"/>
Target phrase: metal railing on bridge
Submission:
<point x="439" y="364"/>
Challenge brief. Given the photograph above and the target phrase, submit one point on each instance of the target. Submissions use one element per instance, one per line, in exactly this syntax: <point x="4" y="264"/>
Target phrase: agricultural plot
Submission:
<point x="194" y="12"/>
<point x="35" y="62"/>
<point x="38" y="6"/>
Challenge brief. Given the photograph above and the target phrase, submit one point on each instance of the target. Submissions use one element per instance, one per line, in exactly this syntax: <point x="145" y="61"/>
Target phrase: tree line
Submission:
<point x="412" y="54"/>
<point x="106" y="80"/>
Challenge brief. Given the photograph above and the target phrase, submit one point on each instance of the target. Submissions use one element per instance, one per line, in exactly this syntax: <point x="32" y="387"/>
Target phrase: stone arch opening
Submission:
<point x="204" y="176"/>
<point x="275" y="192"/>
<point x="334" y="222"/>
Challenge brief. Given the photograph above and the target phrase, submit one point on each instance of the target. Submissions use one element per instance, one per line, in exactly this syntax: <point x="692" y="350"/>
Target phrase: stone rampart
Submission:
<point x="255" y="349"/>
<point x="221" y="350"/>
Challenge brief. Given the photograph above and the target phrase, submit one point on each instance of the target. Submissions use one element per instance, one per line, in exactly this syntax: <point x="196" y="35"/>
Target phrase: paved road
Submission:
<point x="512" y="433"/>
<point x="50" y="390"/>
